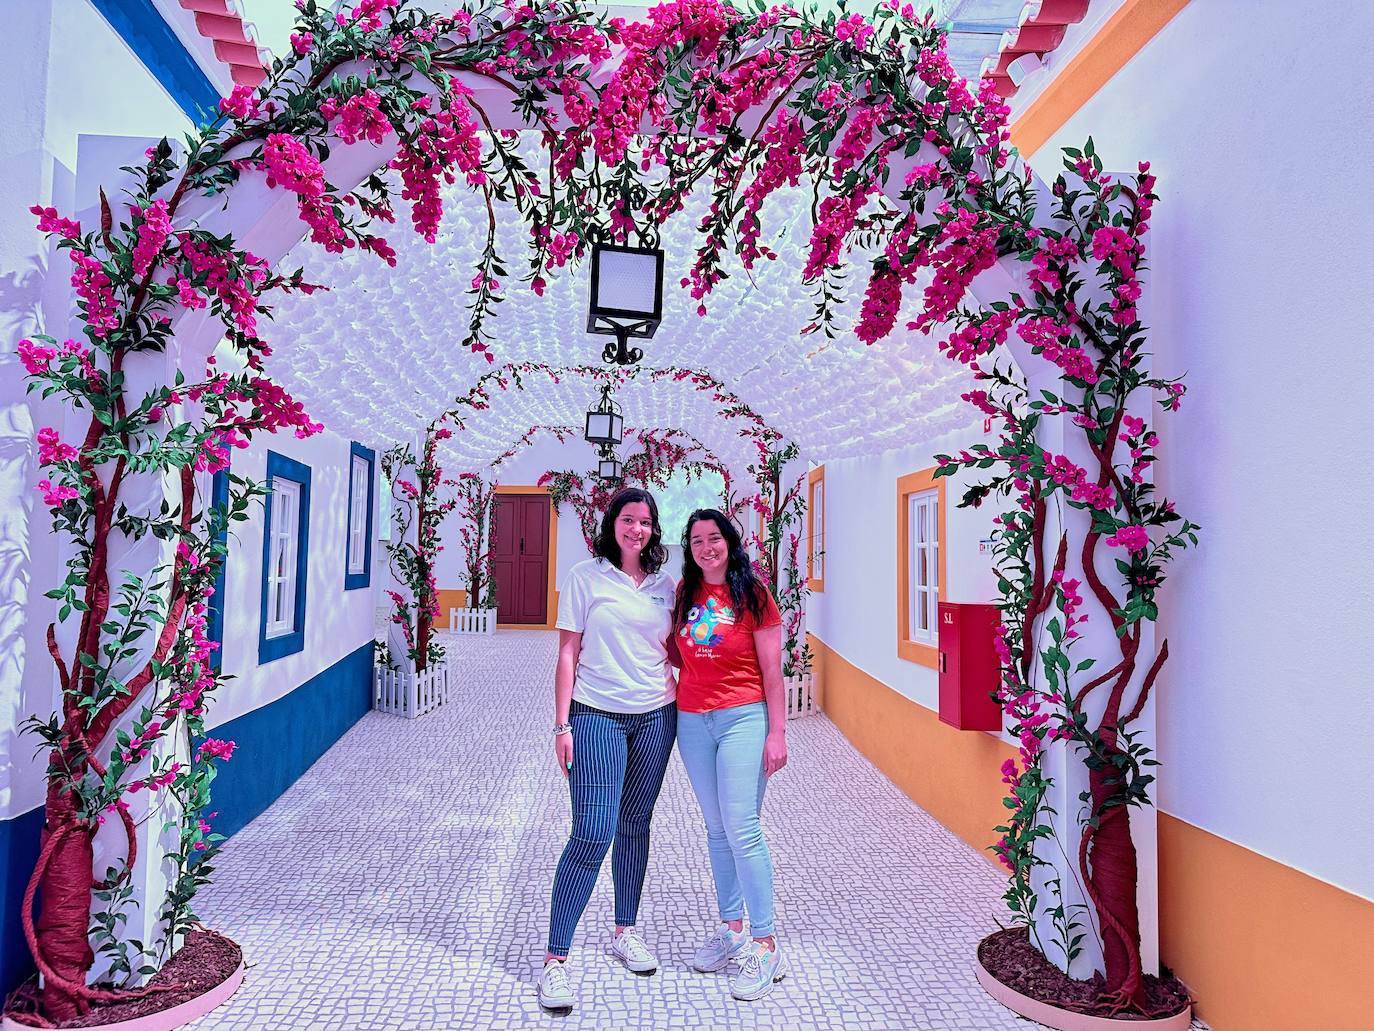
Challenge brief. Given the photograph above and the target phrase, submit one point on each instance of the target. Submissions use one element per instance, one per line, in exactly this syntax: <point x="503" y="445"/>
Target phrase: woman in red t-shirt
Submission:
<point x="732" y="737"/>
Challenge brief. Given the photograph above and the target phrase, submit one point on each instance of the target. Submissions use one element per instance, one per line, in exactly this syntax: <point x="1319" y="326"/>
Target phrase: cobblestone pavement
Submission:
<point x="403" y="883"/>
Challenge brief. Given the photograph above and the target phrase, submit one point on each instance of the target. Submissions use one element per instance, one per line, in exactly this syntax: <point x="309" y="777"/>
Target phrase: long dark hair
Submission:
<point x="652" y="555"/>
<point x="746" y="588"/>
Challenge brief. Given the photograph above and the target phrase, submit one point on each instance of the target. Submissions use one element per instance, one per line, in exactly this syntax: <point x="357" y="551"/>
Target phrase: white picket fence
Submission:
<point x="406" y="693"/>
<point x="801" y="695"/>
<point x="472" y="621"/>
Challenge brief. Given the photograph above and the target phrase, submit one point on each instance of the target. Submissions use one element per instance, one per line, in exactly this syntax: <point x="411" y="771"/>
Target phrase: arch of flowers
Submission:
<point x="424" y="495"/>
<point x="908" y="163"/>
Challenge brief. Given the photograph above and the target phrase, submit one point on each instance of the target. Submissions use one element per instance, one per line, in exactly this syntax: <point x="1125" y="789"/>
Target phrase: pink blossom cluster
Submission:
<point x="139" y="744"/>
<point x="276" y="409"/>
<point x="242" y="103"/>
<point x="359" y="117"/>
<point x="49" y="221"/>
<point x="1070" y="601"/>
<point x="836" y="218"/>
<point x="96" y="288"/>
<point x="1054" y="341"/>
<point x="35" y="357"/>
<point x="881" y="303"/>
<point x="56" y="494"/>
<point x="1123" y="251"/>
<point x="159" y="780"/>
<point x="966" y="249"/>
<point x="1134" y="538"/>
<point x="215" y="749"/>
<point x="51" y="448"/>
<point x="1173" y="396"/>
<point x="289" y="164"/>
<point x="782" y="165"/>
<point x="235" y="293"/>
<point x="980" y="336"/>
<point x="1063" y="472"/>
<point x="858" y="134"/>
<point x="302" y="42"/>
<point x="213" y="454"/>
<point x="153" y="232"/>
<point x="1048" y="262"/>
<point x="445" y="139"/>
<point x="368" y="14"/>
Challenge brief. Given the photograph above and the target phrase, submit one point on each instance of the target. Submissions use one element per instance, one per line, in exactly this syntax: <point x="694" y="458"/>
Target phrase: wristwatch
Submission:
<point x="562" y="728"/>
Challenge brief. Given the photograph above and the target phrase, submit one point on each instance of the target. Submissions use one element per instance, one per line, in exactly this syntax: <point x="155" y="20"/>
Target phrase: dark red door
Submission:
<point x="520" y="557"/>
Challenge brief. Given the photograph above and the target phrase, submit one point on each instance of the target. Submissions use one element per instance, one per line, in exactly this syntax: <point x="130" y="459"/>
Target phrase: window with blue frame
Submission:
<point x="285" y="558"/>
<point x="358" y="542"/>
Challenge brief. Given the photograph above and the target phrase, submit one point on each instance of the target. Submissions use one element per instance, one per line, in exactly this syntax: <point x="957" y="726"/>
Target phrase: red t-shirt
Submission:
<point x="720" y="666"/>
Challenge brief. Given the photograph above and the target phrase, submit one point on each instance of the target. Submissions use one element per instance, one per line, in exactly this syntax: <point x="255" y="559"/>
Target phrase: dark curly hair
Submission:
<point x="654" y="554"/>
<point x="746" y="587"/>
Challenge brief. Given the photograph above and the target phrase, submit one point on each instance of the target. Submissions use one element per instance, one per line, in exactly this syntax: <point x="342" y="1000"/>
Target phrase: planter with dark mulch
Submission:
<point x="206" y="970"/>
<point x="1016" y="974"/>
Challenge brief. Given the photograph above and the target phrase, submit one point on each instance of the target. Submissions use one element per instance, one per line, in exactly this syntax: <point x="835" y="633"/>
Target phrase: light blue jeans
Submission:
<point x="723" y="754"/>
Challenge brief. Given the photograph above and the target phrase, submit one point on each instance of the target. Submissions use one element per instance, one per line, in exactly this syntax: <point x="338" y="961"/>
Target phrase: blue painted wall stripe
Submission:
<point x="276" y="744"/>
<point x="283" y="739"/>
<point x="140" y="25"/>
<point x="18" y="854"/>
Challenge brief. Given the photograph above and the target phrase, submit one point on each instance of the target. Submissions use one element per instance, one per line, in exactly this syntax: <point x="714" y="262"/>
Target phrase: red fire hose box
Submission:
<point x="969" y="669"/>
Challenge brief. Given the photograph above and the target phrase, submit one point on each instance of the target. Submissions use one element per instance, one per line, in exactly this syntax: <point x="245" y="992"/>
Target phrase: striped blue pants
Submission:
<point x="618" y="764"/>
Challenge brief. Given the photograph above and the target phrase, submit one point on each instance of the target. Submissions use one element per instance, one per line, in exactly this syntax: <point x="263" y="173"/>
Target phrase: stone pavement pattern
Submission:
<point x="402" y="884"/>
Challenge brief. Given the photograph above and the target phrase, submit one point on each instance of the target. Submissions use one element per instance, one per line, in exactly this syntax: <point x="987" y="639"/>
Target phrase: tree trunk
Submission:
<point x="63" y="924"/>
<point x="1112" y="877"/>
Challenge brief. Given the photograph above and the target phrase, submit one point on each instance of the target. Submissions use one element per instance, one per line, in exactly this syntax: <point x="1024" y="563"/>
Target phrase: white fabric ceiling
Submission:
<point x="380" y="355"/>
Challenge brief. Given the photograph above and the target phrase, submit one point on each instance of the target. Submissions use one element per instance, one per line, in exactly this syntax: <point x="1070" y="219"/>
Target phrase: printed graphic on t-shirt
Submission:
<point x="705" y="621"/>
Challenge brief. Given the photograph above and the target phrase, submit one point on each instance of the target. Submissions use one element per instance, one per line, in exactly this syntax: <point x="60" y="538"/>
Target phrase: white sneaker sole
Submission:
<point x="644" y="967"/>
<point x="724" y="962"/>
<point x="760" y="992"/>
<point x="565" y="1005"/>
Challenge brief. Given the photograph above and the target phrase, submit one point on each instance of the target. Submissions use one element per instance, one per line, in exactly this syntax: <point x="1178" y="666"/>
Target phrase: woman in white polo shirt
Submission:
<point x="615" y="722"/>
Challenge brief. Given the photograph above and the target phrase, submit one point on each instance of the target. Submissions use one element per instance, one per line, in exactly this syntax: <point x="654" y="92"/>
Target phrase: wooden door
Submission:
<point x="520" y="558"/>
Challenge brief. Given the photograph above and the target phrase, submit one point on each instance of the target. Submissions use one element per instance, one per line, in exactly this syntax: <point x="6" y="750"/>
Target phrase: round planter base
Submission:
<point x="1061" y="1019"/>
<point x="174" y="1016"/>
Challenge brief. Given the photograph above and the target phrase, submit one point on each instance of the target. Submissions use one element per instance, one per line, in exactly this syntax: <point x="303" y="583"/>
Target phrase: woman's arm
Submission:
<point x="569" y="648"/>
<point x="768" y="646"/>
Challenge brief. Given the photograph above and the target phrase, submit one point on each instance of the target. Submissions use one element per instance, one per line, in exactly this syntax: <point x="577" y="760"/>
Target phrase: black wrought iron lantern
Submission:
<point x="605" y="425"/>
<point x="609" y="467"/>
<point x="626" y="298"/>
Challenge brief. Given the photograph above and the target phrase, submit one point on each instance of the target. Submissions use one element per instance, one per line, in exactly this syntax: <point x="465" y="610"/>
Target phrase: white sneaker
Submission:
<point x="762" y="968"/>
<point x="723" y="946"/>
<point x="555" y="990"/>
<point x="629" y="948"/>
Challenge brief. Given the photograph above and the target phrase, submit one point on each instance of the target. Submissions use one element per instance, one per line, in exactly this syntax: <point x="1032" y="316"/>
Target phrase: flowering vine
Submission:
<point x="474" y="504"/>
<point x="1079" y="316"/>
<point x="906" y="161"/>
<point x="423" y="498"/>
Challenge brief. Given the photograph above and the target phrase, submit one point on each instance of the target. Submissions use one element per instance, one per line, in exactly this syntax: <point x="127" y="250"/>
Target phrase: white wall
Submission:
<point x="856" y="613"/>
<point x="337" y="622"/>
<point x="1257" y="124"/>
<point x="65" y="74"/>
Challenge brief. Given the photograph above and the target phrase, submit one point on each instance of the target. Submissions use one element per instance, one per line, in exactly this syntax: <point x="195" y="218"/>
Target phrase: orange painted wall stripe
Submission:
<point x="953" y="775"/>
<point x="1120" y="39"/>
<point x="1261" y="945"/>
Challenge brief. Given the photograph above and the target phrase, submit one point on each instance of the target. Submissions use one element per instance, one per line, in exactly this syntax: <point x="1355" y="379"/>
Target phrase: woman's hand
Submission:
<point x="774" y="751"/>
<point x="562" y="747"/>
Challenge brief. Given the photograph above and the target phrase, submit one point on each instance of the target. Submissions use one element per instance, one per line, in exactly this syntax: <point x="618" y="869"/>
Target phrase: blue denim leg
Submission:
<point x="697" y="746"/>
<point x="723" y="754"/>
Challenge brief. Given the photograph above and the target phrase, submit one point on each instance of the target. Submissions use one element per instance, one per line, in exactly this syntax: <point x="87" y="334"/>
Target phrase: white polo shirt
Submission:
<point x="623" y="666"/>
